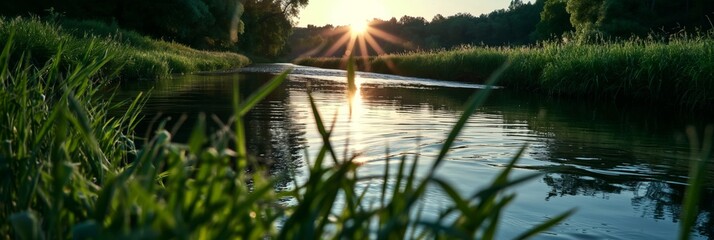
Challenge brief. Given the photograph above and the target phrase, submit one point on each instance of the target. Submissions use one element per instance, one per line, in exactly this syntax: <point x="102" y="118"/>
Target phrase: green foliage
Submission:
<point x="134" y="56"/>
<point x="267" y="26"/>
<point x="585" y="15"/>
<point x="206" y="24"/>
<point x="584" y="21"/>
<point x="226" y="27"/>
<point x="554" y="20"/>
<point x="512" y="26"/>
<point x="72" y="171"/>
<point x="701" y="155"/>
<point x="622" y="19"/>
<point x="677" y="73"/>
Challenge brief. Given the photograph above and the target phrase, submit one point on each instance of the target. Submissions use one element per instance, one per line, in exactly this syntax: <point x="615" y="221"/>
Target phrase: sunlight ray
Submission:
<point x="337" y="45"/>
<point x="373" y="43"/>
<point x="386" y="36"/>
<point x="364" y="53"/>
<point x="314" y="51"/>
<point x="337" y="31"/>
<point x="350" y="47"/>
<point x="353" y="38"/>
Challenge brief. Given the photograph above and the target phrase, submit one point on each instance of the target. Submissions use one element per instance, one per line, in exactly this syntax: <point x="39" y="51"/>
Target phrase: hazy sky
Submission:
<point x="344" y="12"/>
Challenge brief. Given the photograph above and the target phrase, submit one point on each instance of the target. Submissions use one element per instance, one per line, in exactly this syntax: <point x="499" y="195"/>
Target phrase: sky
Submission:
<point x="346" y="12"/>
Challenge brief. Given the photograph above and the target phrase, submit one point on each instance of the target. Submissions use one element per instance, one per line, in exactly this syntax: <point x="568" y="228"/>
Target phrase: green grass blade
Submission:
<point x="700" y="155"/>
<point x="545" y="225"/>
<point x="351" y="83"/>
<point x="5" y="57"/>
<point x="454" y="196"/>
<point x="26" y="225"/>
<point x="385" y="179"/>
<point x="321" y="128"/>
<point x="471" y="105"/>
<point x="451" y="232"/>
<point x="261" y="93"/>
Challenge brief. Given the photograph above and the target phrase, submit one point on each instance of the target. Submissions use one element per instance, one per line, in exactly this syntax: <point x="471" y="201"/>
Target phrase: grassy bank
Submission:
<point x="134" y="56"/>
<point x="678" y="73"/>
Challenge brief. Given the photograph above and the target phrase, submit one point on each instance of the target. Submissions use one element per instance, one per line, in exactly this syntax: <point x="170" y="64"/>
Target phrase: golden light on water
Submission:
<point x="354" y="120"/>
<point x="358" y="40"/>
<point x="354" y="99"/>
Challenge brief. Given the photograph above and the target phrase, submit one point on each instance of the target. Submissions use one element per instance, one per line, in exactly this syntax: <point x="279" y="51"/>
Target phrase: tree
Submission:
<point x="178" y="20"/>
<point x="212" y="24"/>
<point x="515" y="4"/>
<point x="268" y="25"/>
<point x="625" y="18"/>
<point x="554" y="20"/>
<point x="226" y="27"/>
<point x="437" y="18"/>
<point x="584" y="16"/>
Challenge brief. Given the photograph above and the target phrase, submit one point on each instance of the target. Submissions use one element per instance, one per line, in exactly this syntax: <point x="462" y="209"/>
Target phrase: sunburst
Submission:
<point x="364" y="34"/>
<point x="359" y="28"/>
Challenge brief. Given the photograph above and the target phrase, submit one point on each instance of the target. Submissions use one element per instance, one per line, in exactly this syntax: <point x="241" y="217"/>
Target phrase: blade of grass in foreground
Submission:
<point x="472" y="104"/>
<point x="700" y="155"/>
<point x="261" y="93"/>
<point x="241" y="109"/>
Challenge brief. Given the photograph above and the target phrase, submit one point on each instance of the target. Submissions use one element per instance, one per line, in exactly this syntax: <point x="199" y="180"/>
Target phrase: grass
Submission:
<point x="677" y="73"/>
<point x="134" y="56"/>
<point x="72" y="171"/>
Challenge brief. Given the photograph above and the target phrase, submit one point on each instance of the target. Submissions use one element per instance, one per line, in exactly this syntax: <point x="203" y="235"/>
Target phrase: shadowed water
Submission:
<point x="623" y="167"/>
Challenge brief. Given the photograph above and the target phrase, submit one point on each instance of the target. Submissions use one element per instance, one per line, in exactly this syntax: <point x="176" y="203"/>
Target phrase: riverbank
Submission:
<point x="72" y="170"/>
<point x="678" y="73"/>
<point x="133" y="56"/>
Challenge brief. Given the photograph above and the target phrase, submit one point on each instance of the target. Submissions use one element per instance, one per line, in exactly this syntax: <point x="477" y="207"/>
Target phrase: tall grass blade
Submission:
<point x="321" y="129"/>
<point x="351" y="83"/>
<point x="26" y="225"/>
<point x="471" y="105"/>
<point x="545" y="225"/>
<point x="5" y="58"/>
<point x="700" y="155"/>
<point x="261" y="93"/>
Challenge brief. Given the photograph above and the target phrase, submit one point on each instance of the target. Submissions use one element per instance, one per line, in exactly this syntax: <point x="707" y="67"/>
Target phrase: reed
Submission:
<point x="72" y="171"/>
<point x="677" y="72"/>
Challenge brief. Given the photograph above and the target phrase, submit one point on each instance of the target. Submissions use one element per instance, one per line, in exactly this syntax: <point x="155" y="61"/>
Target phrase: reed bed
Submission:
<point x="70" y="170"/>
<point x="73" y="171"/>
<point x="677" y="72"/>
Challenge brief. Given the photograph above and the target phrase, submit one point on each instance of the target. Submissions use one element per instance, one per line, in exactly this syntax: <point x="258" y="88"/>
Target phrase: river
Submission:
<point x="624" y="167"/>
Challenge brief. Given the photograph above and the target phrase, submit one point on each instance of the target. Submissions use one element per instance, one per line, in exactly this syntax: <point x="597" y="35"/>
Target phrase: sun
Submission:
<point x="359" y="27"/>
<point x="358" y="34"/>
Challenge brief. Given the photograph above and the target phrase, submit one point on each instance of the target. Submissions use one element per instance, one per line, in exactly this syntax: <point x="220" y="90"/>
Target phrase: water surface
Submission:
<point x="624" y="167"/>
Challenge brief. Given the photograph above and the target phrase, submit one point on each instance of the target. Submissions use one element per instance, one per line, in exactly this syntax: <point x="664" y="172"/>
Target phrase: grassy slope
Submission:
<point x="134" y="56"/>
<point x="679" y="73"/>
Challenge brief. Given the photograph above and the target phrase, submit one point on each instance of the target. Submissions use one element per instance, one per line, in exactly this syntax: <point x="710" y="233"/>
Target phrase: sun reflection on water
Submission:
<point x="354" y="99"/>
<point x="355" y="111"/>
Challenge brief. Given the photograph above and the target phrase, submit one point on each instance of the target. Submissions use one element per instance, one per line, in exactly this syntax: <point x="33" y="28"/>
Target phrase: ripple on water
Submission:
<point x="624" y="178"/>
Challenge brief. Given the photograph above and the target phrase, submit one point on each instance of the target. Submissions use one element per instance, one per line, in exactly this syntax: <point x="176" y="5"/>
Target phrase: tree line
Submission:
<point x="254" y="27"/>
<point x="265" y="27"/>
<point x="522" y="23"/>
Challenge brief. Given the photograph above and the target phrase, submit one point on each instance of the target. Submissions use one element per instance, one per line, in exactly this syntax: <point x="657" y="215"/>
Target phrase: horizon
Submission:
<point x="344" y="12"/>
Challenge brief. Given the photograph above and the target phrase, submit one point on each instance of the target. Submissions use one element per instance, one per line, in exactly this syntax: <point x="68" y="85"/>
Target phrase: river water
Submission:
<point x="624" y="168"/>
